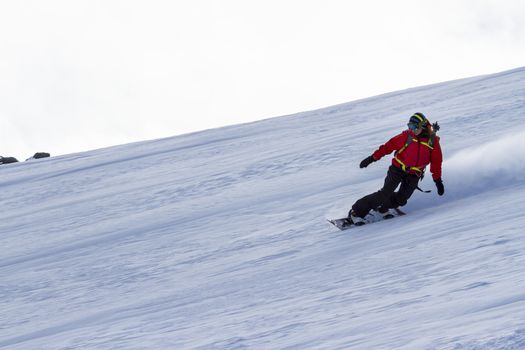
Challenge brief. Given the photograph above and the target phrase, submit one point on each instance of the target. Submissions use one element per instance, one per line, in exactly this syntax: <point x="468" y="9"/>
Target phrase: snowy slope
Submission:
<point x="218" y="239"/>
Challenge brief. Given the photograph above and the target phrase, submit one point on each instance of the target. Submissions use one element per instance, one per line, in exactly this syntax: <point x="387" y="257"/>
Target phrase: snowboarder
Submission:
<point x="415" y="148"/>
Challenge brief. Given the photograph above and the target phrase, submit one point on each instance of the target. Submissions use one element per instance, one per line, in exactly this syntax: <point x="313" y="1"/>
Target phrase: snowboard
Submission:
<point x="373" y="216"/>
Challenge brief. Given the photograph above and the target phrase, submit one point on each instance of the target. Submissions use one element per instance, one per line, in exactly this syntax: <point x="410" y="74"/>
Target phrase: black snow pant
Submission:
<point x="386" y="197"/>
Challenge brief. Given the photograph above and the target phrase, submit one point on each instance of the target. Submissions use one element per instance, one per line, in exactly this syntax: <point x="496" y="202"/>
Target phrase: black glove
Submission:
<point x="366" y="162"/>
<point x="440" y="187"/>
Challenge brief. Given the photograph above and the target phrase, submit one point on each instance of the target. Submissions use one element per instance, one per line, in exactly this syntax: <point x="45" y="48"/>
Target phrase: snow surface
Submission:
<point x="218" y="239"/>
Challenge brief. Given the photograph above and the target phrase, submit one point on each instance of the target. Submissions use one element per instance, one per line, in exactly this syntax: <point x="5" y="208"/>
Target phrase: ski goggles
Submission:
<point x="415" y="126"/>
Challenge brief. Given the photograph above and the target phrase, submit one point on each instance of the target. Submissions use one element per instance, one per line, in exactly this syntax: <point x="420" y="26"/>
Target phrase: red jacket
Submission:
<point x="417" y="154"/>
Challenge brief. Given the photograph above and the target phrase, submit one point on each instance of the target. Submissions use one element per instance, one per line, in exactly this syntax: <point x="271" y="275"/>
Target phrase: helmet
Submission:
<point x="416" y="121"/>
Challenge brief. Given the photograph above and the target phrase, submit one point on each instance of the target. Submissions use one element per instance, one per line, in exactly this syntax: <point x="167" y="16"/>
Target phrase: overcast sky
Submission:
<point x="77" y="75"/>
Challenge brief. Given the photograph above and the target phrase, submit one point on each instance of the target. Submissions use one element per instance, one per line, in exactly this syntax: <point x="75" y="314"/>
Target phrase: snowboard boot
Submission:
<point x="357" y="220"/>
<point x="386" y="213"/>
